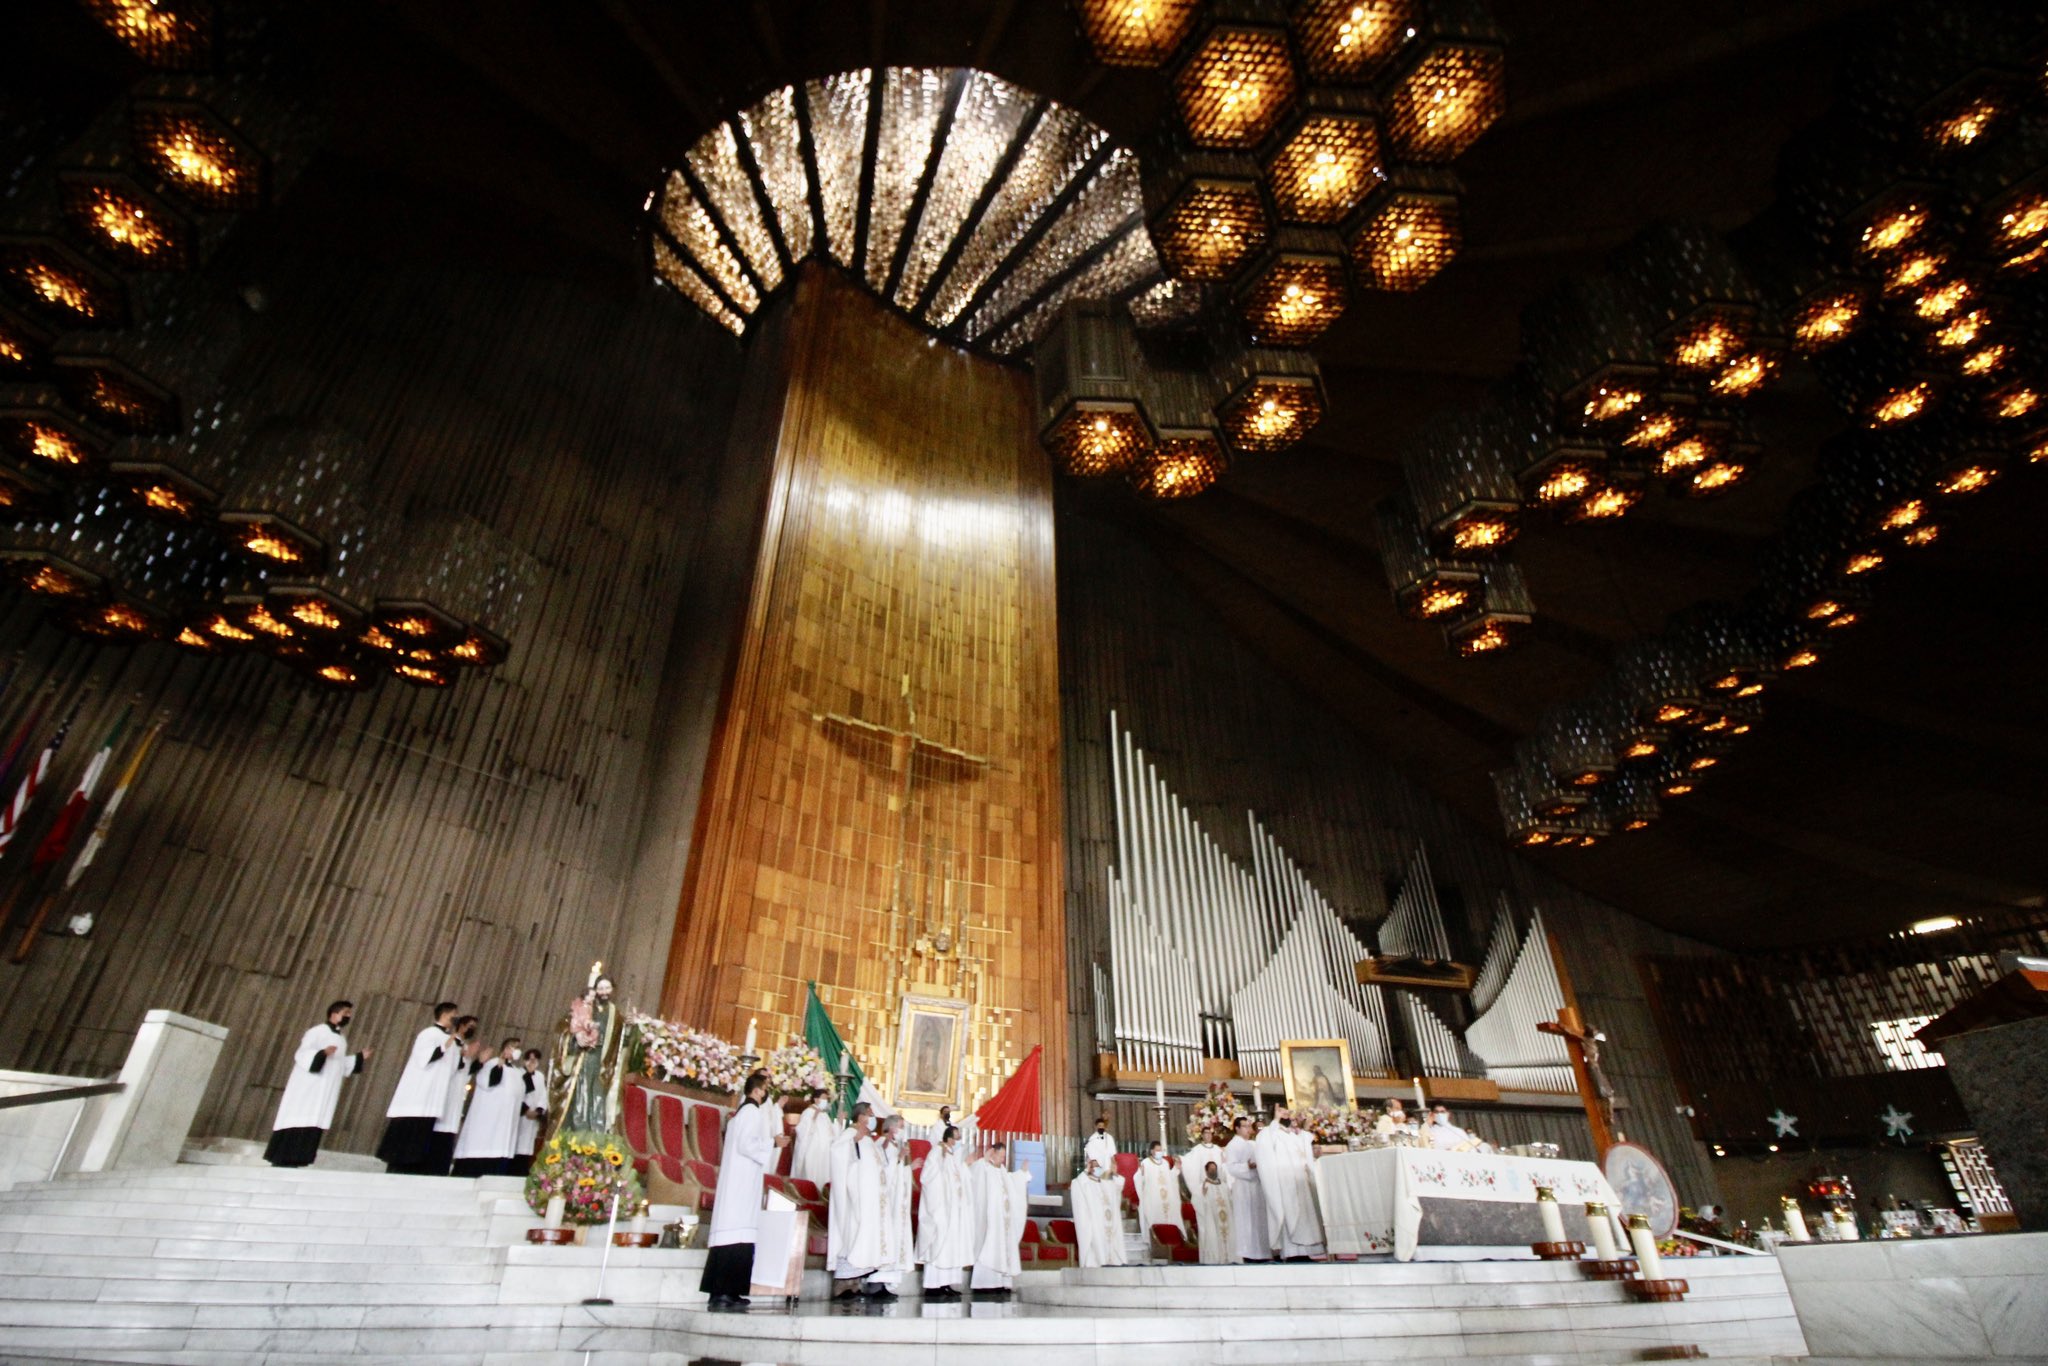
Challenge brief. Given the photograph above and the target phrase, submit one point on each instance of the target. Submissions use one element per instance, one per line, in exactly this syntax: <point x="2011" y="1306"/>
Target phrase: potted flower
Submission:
<point x="584" y="1170"/>
<point x="1219" y="1111"/>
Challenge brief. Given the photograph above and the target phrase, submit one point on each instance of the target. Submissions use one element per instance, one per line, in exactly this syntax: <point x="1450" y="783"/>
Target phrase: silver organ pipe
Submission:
<point x="1437" y="1048"/>
<point x="1415" y="927"/>
<point x="1500" y="957"/>
<point x="1517" y="1054"/>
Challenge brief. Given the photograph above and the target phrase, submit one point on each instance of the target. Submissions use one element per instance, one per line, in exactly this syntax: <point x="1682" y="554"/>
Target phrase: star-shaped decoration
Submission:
<point x="1897" y="1124"/>
<point x="1786" y="1125"/>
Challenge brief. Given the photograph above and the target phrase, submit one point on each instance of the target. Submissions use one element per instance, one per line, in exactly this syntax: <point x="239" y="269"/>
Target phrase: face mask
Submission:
<point x="1287" y="1124"/>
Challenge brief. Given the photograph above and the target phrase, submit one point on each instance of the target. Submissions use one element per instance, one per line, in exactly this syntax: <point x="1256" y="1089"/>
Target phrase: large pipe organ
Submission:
<point x="1213" y="962"/>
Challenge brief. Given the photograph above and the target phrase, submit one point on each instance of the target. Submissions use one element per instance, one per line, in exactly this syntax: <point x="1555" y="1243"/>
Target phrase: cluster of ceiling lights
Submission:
<point x="1908" y="258"/>
<point x="1304" y="162"/>
<point x="134" y="497"/>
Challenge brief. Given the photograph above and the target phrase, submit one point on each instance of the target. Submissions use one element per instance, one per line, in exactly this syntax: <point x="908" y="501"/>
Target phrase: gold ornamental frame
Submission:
<point x="931" y="1033"/>
<point x="1310" y="1051"/>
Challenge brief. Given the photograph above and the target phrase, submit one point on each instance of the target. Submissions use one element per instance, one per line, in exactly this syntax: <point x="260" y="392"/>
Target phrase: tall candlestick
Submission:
<point x="1159" y="1091"/>
<point x="1553" y="1218"/>
<point x="1795" y="1221"/>
<point x="1645" y="1244"/>
<point x="749" y="1049"/>
<point x="1602" y="1230"/>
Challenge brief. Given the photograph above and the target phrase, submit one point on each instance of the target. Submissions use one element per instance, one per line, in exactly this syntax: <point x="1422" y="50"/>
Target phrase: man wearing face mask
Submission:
<point x="306" y="1109"/>
<point x="1286" y="1157"/>
<point x="945" y="1224"/>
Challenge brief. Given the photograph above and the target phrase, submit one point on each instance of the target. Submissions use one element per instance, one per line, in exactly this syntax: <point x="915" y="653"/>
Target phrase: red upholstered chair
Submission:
<point x="780" y="1185"/>
<point x="1187" y="1213"/>
<point x="705" y="1132"/>
<point x="704" y="1177"/>
<point x="1127" y="1168"/>
<point x="633" y="1118"/>
<point x="1170" y="1243"/>
<point x="1051" y="1251"/>
<point x="1028" y="1243"/>
<point x="805" y="1192"/>
<point x="670" y="1136"/>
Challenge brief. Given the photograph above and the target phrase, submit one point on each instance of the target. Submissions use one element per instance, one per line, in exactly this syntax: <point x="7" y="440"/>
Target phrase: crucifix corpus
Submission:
<point x="1595" y="1091"/>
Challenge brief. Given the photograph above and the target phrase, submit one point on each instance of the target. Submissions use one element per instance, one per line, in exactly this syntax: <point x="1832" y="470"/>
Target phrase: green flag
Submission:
<point x="820" y="1034"/>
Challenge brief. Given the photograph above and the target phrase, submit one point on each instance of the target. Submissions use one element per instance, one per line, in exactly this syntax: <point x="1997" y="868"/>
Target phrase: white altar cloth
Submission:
<point x="1372" y="1200"/>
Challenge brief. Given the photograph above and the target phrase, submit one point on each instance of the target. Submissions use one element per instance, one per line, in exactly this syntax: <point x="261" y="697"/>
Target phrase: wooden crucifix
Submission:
<point x="1595" y="1091"/>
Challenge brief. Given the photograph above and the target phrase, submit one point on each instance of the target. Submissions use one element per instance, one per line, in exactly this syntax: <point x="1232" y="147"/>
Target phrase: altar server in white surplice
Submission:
<point x="899" y="1249"/>
<point x="1001" y="1200"/>
<point x="533" y="1110"/>
<point x="467" y="1064"/>
<point x="1158" y="1192"/>
<point x="746" y="1157"/>
<point x="490" y="1128"/>
<point x="1286" y="1158"/>
<point x="812" y="1160"/>
<point x="1212" y="1211"/>
<point x="1098" y="1215"/>
<point x="945" y="1218"/>
<point x="1101" y="1145"/>
<point x="407" y="1145"/>
<point x="1247" y="1197"/>
<point x="853" y="1234"/>
<point x="306" y="1109"/>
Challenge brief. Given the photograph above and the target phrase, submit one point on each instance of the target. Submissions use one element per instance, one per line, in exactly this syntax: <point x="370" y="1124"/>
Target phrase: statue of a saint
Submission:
<point x="583" y="1084"/>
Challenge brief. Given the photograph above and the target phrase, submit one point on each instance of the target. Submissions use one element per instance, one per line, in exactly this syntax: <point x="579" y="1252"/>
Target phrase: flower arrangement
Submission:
<point x="1219" y="1111"/>
<point x="796" y="1070"/>
<point x="1334" y="1123"/>
<point x="586" y="1169"/>
<point x="672" y="1052"/>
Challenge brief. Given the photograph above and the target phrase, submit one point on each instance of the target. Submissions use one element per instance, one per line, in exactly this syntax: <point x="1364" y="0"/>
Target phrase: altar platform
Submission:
<point x="240" y="1266"/>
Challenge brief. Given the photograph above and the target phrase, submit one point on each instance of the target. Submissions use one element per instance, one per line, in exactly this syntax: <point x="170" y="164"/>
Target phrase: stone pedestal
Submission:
<point x="164" y="1079"/>
<point x="2002" y="1075"/>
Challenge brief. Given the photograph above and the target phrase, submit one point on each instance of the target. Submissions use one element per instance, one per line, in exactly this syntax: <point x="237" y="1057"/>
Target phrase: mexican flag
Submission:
<point x="821" y="1035"/>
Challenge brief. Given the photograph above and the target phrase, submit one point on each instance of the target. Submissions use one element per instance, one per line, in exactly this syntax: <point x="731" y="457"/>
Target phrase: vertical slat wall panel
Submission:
<point x="1235" y="736"/>
<point x="285" y="846"/>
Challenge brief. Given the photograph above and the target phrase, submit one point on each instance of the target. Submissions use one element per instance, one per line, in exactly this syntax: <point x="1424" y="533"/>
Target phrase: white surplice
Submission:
<point x="1247" y="1200"/>
<point x="1212" y="1221"/>
<point x="899" y="1251"/>
<point x="457" y="1094"/>
<point x="1001" y="1201"/>
<point x="1446" y="1136"/>
<point x="945" y="1219"/>
<point x="745" y="1158"/>
<point x="314" y="1087"/>
<point x="811" y="1159"/>
<point x="491" y="1127"/>
<point x="1194" y="1164"/>
<point x="1101" y="1148"/>
<point x="1287" y="1177"/>
<point x="853" y="1234"/>
<point x="1158" y="1196"/>
<point x="422" y="1090"/>
<point x="1099" y="1218"/>
<point x="534" y="1096"/>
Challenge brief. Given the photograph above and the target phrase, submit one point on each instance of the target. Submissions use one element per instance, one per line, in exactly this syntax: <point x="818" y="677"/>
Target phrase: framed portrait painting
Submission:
<point x="929" y="1039"/>
<point x="1317" y="1072"/>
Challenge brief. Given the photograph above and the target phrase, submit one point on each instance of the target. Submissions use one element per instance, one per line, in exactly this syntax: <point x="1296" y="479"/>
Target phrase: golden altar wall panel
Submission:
<point x="881" y="808"/>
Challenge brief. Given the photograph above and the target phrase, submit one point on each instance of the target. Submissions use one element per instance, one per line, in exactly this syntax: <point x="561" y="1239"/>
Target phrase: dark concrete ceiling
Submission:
<point x="1897" y="781"/>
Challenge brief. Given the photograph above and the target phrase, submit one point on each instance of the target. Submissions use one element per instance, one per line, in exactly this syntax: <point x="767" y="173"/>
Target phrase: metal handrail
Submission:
<point x="86" y="1092"/>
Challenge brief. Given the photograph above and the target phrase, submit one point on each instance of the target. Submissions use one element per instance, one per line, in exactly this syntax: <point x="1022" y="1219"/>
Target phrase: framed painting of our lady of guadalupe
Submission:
<point x="929" y="1039"/>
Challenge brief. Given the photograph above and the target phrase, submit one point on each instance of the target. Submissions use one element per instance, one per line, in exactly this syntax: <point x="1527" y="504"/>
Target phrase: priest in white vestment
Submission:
<point x="1002" y="1199"/>
<point x="1446" y="1136"/>
<point x="812" y="1160"/>
<point x="422" y="1091"/>
<point x="746" y="1157"/>
<point x="945" y="1219"/>
<point x="490" y="1128"/>
<point x="1100" y="1145"/>
<point x="533" y="1112"/>
<point x="1158" y="1192"/>
<point x="306" y="1110"/>
<point x="1286" y="1157"/>
<point x="1211" y="1194"/>
<point x="1394" y="1119"/>
<point x="1247" y="1197"/>
<point x="854" y="1232"/>
<point x="1097" y="1196"/>
<point x="899" y="1248"/>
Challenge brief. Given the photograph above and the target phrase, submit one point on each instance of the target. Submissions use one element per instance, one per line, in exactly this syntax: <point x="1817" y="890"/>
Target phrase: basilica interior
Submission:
<point x="1077" y="561"/>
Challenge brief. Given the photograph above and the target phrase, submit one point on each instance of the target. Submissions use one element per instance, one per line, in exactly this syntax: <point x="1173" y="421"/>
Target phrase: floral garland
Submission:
<point x="1335" y="1124"/>
<point x="797" y="1069"/>
<point x="672" y="1052"/>
<point x="586" y="1169"/>
<point x="1220" y="1111"/>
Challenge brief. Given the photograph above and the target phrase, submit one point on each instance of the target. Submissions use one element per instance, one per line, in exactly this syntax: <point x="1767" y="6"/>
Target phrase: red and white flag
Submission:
<point x="114" y="799"/>
<point x="10" y="816"/>
<point x="58" y="839"/>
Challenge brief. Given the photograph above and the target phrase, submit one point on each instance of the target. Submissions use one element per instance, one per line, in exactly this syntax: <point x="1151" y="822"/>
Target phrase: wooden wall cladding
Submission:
<point x="907" y="533"/>
<point x="284" y="846"/>
<point x="1230" y="735"/>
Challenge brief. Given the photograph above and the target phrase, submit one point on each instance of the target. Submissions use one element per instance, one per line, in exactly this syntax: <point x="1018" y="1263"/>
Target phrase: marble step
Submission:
<point x="311" y="1180"/>
<point x="149" y="1199"/>
<point x="441" y="1229"/>
<point x="208" y="1262"/>
<point x="247" y="1152"/>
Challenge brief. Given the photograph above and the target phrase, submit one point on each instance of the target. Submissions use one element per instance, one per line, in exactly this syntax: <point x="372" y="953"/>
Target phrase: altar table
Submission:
<point x="1372" y="1200"/>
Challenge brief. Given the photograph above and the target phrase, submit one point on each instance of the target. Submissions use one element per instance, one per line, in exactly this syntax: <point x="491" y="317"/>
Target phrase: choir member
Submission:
<point x="306" y="1109"/>
<point x="853" y="1233"/>
<point x="1097" y="1197"/>
<point x="1286" y="1157"/>
<point x="490" y="1129"/>
<point x="1158" y="1192"/>
<point x="1101" y="1145"/>
<point x="422" y="1092"/>
<point x="751" y="1137"/>
<point x="812" y="1160"/>
<point x="533" y="1110"/>
<point x="1212" y="1213"/>
<point x="468" y="1058"/>
<point x="946" y="1222"/>
<point x="1247" y="1198"/>
<point x="1001" y="1200"/>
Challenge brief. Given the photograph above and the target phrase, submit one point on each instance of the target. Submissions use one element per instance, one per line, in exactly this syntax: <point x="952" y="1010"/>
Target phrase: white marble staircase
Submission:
<point x="248" y="1266"/>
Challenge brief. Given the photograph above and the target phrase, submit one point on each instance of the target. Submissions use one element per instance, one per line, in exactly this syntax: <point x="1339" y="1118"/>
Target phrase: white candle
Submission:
<point x="1159" y="1091"/>
<point x="749" y="1049"/>
<point x="640" y="1220"/>
<point x="1553" y="1218"/>
<point x="1795" y="1222"/>
<point x="557" y="1205"/>
<point x="1421" y="1105"/>
<point x="1645" y="1244"/>
<point x="1258" y="1097"/>
<point x="1602" y="1231"/>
